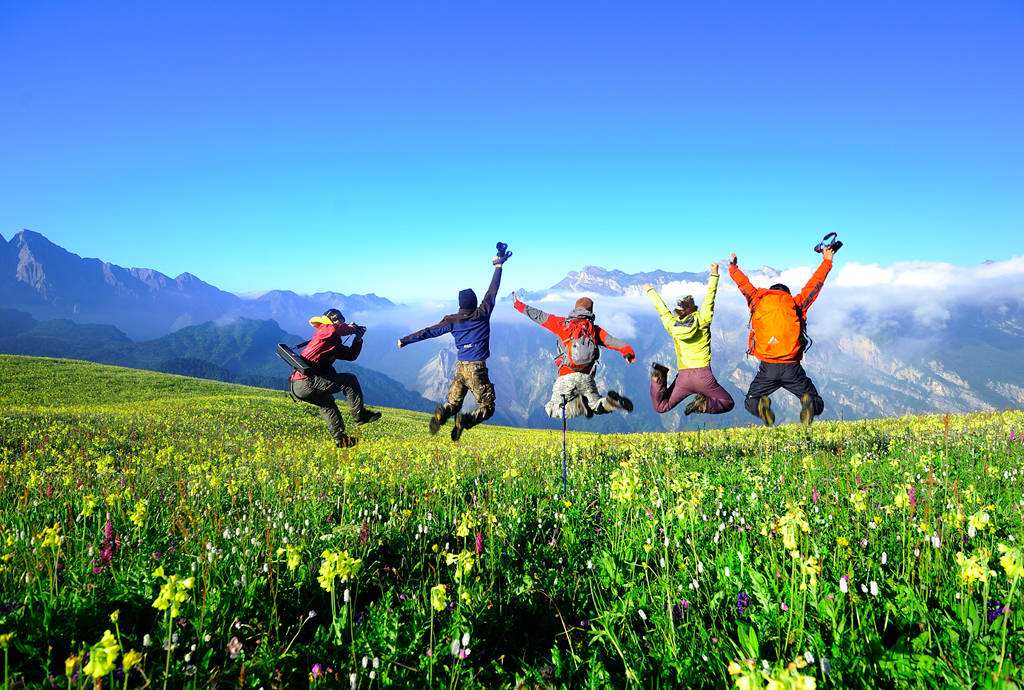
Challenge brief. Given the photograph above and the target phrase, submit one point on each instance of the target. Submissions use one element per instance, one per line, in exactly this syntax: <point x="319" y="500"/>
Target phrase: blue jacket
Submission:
<point x="471" y="328"/>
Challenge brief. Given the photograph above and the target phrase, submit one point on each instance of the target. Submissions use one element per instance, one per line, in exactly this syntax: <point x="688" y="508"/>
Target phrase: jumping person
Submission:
<point x="579" y="340"/>
<point x="778" y="338"/>
<point x="690" y="329"/>
<point x="322" y="350"/>
<point x="471" y="328"/>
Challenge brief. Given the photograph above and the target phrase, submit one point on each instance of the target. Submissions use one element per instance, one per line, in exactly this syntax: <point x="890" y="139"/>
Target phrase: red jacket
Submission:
<point x="800" y="304"/>
<point x="559" y="325"/>
<point x="325" y="345"/>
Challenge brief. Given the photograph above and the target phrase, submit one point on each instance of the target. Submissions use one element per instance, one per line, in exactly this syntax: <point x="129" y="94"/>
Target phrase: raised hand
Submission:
<point x="714" y="269"/>
<point x="732" y="258"/>
<point x="400" y="344"/>
<point x="647" y="286"/>
<point x="828" y="253"/>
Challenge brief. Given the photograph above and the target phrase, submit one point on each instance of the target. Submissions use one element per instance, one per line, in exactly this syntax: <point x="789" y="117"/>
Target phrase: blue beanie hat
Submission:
<point x="467" y="299"/>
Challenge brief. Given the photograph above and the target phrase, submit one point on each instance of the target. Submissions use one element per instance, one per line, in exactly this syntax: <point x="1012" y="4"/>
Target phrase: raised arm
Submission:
<point x="741" y="280"/>
<point x="440" y="328"/>
<point x="539" y="317"/>
<point x="707" y="308"/>
<point x="810" y="292"/>
<point x="612" y="343"/>
<point x="492" y="291"/>
<point x="667" y="319"/>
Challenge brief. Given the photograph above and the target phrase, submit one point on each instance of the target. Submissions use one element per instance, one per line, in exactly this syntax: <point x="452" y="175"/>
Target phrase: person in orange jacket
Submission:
<point x="778" y="339"/>
<point x="580" y="341"/>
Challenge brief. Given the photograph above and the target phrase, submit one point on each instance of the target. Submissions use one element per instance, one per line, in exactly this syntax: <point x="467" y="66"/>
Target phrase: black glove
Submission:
<point x="502" y="255"/>
<point x="360" y="330"/>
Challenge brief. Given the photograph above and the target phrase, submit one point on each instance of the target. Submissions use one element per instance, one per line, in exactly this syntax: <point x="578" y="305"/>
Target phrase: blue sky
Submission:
<point x="361" y="148"/>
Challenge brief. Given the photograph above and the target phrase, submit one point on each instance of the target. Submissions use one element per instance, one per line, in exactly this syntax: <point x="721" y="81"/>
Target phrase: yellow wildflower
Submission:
<point x="438" y="597"/>
<point x="1011" y="561"/>
<point x="102" y="656"/>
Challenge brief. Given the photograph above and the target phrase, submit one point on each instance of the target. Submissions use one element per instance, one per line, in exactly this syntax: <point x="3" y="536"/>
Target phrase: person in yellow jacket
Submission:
<point x="690" y="329"/>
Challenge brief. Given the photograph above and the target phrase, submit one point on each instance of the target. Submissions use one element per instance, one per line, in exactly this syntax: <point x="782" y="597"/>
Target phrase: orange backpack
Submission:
<point x="579" y="349"/>
<point x="776" y="328"/>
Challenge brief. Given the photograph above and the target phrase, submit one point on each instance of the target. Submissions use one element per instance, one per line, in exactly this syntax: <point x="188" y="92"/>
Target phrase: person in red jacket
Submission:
<point x="318" y="389"/>
<point x="778" y="339"/>
<point x="579" y="341"/>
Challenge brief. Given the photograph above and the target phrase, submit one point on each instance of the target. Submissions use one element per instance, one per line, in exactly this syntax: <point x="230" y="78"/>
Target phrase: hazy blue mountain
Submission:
<point x="239" y="352"/>
<point x="47" y="281"/>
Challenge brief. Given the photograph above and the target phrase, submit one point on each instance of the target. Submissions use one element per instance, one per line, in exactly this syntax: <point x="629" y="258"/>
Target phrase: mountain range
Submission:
<point x="47" y="281"/>
<point x="241" y="351"/>
<point x="868" y="361"/>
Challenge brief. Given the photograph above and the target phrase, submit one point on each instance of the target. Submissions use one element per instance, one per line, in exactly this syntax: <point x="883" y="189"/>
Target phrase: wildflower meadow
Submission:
<point x="166" y="532"/>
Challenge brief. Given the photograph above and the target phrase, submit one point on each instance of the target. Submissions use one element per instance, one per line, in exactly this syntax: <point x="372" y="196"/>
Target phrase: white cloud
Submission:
<point x="855" y="295"/>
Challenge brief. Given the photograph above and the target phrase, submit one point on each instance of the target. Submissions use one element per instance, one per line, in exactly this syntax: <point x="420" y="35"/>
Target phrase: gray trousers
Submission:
<point x="320" y="390"/>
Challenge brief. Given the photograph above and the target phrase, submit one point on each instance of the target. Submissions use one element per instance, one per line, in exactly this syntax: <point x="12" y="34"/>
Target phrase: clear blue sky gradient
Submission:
<point x="385" y="147"/>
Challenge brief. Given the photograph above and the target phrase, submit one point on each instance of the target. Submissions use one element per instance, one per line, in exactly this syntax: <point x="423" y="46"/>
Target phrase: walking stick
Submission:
<point x="565" y="452"/>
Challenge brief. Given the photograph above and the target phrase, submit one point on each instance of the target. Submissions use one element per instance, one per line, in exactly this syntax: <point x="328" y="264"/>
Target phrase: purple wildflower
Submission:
<point x="815" y="495"/>
<point x="742" y="602"/>
<point x="912" y="495"/>
<point x="479" y="543"/>
<point x="317" y="671"/>
<point x="995" y="609"/>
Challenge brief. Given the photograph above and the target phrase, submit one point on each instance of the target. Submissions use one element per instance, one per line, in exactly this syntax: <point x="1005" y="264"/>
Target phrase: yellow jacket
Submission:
<point x="691" y="336"/>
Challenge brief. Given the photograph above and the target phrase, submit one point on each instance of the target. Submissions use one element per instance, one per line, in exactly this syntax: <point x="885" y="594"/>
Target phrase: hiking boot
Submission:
<point x="659" y="372"/>
<point x="436" y="420"/>
<point x="806" y="409"/>
<point x="619" y="401"/>
<point x="457" y="428"/>
<point x="764" y="411"/>
<point x="698" y="404"/>
<point x="369" y="417"/>
<point x="346" y="442"/>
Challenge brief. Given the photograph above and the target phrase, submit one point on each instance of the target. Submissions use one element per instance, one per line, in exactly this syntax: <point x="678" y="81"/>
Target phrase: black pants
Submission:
<point x="320" y="390"/>
<point x="772" y="377"/>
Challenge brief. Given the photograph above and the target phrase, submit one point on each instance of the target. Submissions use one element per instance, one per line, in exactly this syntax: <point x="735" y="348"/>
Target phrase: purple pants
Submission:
<point x="688" y="382"/>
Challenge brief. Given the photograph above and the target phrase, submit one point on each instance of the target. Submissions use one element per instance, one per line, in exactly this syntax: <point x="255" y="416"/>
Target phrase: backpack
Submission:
<point x="579" y="345"/>
<point x="776" y="328"/>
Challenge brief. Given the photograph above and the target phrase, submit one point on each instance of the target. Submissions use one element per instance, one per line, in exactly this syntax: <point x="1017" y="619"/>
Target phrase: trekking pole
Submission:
<point x="565" y="452"/>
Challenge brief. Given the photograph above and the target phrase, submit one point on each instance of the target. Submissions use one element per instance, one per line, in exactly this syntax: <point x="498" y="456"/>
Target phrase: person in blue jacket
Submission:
<point x="471" y="328"/>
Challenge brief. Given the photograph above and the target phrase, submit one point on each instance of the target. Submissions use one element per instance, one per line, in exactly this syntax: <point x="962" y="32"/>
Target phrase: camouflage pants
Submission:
<point x="579" y="392"/>
<point x="470" y="377"/>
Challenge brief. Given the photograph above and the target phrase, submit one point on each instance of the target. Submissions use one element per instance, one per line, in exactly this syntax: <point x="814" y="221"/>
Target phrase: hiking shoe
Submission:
<point x="806" y="409"/>
<point x="659" y="372"/>
<point x="457" y="427"/>
<point x="619" y="401"/>
<point x="764" y="411"/>
<point x="435" y="420"/>
<point x="698" y="404"/>
<point x="346" y="442"/>
<point x="369" y="417"/>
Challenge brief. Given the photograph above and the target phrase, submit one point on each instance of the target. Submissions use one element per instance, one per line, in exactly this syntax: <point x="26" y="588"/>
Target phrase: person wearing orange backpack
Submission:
<point x="580" y="340"/>
<point x="778" y="338"/>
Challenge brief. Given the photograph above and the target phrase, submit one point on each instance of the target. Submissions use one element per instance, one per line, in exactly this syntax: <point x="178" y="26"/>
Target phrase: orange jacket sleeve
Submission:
<point x="810" y="292"/>
<point x="543" y="319"/>
<point x="742" y="282"/>
<point x="612" y="343"/>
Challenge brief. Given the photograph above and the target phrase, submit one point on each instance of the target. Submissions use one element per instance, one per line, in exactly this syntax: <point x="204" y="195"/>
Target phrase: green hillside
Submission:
<point x="222" y="541"/>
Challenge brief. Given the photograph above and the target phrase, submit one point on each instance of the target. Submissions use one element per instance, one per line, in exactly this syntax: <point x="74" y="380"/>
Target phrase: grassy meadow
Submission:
<point x="159" y="531"/>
